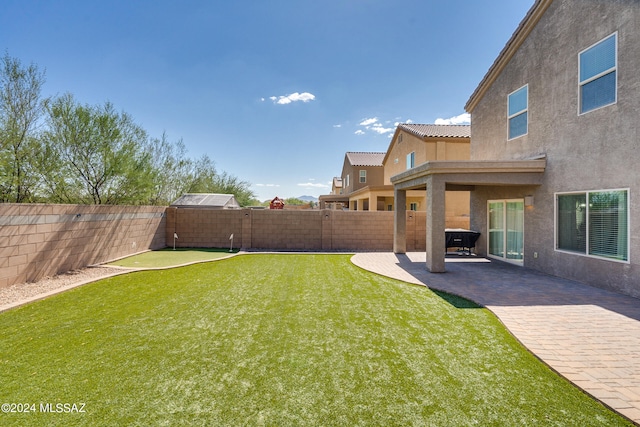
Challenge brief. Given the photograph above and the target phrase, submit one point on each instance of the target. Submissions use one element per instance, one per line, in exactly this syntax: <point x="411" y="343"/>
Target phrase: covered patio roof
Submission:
<point x="436" y="177"/>
<point x="332" y="198"/>
<point x="473" y="172"/>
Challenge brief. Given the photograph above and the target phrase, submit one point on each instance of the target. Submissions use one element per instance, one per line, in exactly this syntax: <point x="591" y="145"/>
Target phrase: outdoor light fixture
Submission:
<point x="528" y="200"/>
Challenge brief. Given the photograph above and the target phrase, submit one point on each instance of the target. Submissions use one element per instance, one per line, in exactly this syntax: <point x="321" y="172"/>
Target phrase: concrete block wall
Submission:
<point x="43" y="240"/>
<point x="286" y="229"/>
<point x="205" y="228"/>
<point x="362" y="230"/>
<point x="312" y="230"/>
<point x="39" y="240"/>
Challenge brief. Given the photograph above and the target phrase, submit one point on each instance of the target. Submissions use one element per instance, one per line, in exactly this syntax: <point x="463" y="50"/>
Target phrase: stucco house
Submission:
<point x="413" y="144"/>
<point x="365" y="181"/>
<point x="553" y="169"/>
<point x="362" y="174"/>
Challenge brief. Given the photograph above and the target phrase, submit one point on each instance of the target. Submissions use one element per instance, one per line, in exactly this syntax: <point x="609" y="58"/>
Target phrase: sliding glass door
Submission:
<point x="506" y="230"/>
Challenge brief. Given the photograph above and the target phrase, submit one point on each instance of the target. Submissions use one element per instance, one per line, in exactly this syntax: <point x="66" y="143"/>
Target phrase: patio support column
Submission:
<point x="373" y="202"/>
<point x="400" y="221"/>
<point x="435" y="224"/>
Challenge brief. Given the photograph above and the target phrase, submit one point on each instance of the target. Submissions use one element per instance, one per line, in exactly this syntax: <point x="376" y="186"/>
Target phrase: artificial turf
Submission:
<point x="275" y="340"/>
<point x="169" y="257"/>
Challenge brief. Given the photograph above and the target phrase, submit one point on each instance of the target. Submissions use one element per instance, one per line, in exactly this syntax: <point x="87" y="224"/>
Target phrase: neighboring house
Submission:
<point x="336" y="186"/>
<point x="335" y="200"/>
<point x="363" y="176"/>
<point x="414" y="144"/>
<point x="366" y="188"/>
<point x="555" y="149"/>
<point x="206" y="200"/>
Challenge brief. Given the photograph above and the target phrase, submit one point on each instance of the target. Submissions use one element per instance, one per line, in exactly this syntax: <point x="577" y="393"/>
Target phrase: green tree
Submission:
<point x="205" y="179"/>
<point x="21" y="110"/>
<point x="172" y="170"/>
<point x="95" y="155"/>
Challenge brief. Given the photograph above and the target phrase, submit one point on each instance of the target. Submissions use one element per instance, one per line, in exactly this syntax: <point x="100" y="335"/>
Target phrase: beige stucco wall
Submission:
<point x="425" y="150"/>
<point x="396" y="158"/>
<point x="41" y="240"/>
<point x="375" y="176"/>
<point x="594" y="151"/>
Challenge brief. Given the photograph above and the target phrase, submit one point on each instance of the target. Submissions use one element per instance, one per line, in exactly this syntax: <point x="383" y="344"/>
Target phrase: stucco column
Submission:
<point x="399" y="221"/>
<point x="435" y="224"/>
<point x="373" y="202"/>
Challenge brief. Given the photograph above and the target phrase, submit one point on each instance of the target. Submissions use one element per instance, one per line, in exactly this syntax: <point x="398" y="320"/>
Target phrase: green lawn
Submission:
<point x="169" y="257"/>
<point x="275" y="340"/>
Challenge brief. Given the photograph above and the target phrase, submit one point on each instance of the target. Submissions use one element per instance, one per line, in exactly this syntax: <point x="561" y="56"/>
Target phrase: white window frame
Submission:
<point x="517" y="113"/>
<point x="613" y="69"/>
<point x="363" y="176"/>
<point x="411" y="160"/>
<point x="586" y="252"/>
<point x="518" y="262"/>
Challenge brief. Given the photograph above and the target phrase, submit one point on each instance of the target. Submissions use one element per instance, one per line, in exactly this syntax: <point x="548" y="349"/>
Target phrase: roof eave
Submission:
<point x="519" y="36"/>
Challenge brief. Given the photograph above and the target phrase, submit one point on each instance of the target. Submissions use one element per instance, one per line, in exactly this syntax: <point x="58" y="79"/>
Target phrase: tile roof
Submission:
<point x="437" y="131"/>
<point x="365" y="159"/>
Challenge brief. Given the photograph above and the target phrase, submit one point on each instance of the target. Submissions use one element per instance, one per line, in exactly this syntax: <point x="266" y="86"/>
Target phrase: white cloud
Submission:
<point x="462" y="119"/>
<point x="313" y="185"/>
<point x="337" y="126"/>
<point x="359" y="132"/>
<point x="267" y="185"/>
<point x="369" y="122"/>
<point x="378" y="128"/>
<point x="294" y="97"/>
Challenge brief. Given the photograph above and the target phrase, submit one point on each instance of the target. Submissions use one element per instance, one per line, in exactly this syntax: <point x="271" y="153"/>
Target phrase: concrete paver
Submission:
<point x="589" y="335"/>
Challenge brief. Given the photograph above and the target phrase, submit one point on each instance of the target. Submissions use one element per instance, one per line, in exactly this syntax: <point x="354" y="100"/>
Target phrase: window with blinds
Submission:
<point x="594" y="223"/>
<point x="598" y="79"/>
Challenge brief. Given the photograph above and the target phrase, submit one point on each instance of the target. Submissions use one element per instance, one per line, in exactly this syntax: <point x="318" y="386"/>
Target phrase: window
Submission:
<point x="518" y="112"/>
<point x="413" y="206"/>
<point x="363" y="176"/>
<point x="411" y="160"/>
<point x="346" y="182"/>
<point x="390" y="208"/>
<point x="594" y="223"/>
<point x="598" y="74"/>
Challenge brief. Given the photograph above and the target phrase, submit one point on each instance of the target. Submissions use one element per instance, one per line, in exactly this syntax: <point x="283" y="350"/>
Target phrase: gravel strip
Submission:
<point x="31" y="290"/>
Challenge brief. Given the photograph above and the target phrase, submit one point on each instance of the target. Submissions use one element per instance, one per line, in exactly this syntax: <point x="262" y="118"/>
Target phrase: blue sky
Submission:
<point x="275" y="92"/>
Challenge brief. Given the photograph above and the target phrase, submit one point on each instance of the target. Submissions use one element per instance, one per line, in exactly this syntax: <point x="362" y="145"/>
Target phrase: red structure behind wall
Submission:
<point x="276" y="203"/>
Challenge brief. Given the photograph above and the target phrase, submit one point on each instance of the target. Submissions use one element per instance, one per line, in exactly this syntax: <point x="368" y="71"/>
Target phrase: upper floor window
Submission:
<point x="411" y="160"/>
<point x="346" y="182"/>
<point x="598" y="66"/>
<point x="518" y="112"/>
<point x="363" y="176"/>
